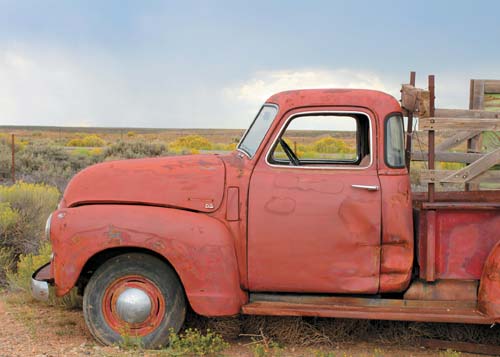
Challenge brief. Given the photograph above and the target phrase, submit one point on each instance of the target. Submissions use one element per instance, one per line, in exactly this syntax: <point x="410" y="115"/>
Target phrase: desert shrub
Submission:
<point x="133" y="150"/>
<point x="87" y="141"/>
<point x="224" y="147"/>
<point x="95" y="152"/>
<point x="24" y="209"/>
<point x="53" y="165"/>
<point x="75" y="142"/>
<point x="8" y="226"/>
<point x="451" y="165"/>
<point x="193" y="342"/>
<point x="5" y="155"/>
<point x="190" y="143"/>
<point x="19" y="279"/>
<point x="5" y="163"/>
<point x="331" y="145"/>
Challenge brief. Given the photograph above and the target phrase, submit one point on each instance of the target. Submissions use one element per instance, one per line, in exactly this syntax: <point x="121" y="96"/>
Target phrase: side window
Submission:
<point x="394" y="142"/>
<point x="323" y="139"/>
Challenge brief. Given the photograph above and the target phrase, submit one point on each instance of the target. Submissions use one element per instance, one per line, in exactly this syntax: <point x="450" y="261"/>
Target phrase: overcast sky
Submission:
<point x="210" y="64"/>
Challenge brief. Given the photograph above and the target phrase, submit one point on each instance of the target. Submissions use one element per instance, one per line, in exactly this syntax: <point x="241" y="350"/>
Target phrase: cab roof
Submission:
<point x="378" y="102"/>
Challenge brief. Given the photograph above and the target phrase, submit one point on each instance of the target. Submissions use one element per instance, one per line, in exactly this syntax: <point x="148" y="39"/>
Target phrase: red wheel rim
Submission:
<point x="135" y="329"/>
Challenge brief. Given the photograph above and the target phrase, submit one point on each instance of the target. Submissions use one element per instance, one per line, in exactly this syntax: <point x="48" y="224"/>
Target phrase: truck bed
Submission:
<point x="456" y="233"/>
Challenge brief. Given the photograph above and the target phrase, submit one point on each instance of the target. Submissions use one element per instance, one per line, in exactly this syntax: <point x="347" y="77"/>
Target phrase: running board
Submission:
<point x="365" y="308"/>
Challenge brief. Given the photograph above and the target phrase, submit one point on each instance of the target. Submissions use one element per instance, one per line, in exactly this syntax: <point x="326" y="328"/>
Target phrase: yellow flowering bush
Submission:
<point x="190" y="143"/>
<point x="87" y="141"/>
<point x="24" y="209"/>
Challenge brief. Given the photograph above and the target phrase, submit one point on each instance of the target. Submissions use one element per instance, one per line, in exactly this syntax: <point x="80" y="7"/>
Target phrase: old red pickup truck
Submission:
<point x="269" y="230"/>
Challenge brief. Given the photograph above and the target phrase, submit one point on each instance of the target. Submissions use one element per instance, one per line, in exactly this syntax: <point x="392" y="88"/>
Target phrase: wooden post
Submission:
<point x="409" y="129"/>
<point x="13" y="167"/>
<point x="476" y="101"/>
<point x="431" y="143"/>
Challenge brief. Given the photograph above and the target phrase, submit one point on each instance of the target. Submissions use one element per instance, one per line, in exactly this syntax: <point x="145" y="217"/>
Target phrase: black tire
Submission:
<point x="158" y="277"/>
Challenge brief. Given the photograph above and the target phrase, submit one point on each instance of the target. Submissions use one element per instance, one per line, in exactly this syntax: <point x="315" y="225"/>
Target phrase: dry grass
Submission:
<point x="308" y="332"/>
<point x="58" y="331"/>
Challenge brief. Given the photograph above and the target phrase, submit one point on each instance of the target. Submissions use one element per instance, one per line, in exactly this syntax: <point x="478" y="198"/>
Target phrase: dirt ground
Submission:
<point x="34" y="329"/>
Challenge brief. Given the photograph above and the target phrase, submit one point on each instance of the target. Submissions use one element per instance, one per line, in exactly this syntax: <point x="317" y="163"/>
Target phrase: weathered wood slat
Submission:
<point x="476" y="102"/>
<point x="462" y="205"/>
<point x="461" y="157"/>
<point x="451" y="124"/>
<point x="492" y="86"/>
<point x="461" y="346"/>
<point x="465" y="113"/>
<point x="475" y="169"/>
<point x="437" y="176"/>
<point x="456" y="140"/>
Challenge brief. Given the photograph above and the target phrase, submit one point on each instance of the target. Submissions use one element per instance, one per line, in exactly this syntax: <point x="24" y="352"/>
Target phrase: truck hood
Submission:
<point x="194" y="182"/>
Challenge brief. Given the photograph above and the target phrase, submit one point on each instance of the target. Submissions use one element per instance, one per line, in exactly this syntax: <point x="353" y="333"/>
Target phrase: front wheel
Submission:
<point x="135" y="295"/>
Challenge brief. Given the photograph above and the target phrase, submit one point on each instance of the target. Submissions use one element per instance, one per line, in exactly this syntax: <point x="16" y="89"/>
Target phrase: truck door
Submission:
<point x="314" y="216"/>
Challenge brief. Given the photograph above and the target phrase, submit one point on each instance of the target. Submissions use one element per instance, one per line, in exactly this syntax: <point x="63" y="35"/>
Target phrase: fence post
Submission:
<point x="13" y="149"/>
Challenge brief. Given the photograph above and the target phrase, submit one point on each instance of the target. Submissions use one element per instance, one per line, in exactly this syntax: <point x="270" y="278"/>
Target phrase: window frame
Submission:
<point x="268" y="157"/>
<point x="386" y="141"/>
<point x="250" y="127"/>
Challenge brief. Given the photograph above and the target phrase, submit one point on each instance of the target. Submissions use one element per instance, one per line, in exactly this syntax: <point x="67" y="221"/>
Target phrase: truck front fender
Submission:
<point x="199" y="248"/>
<point x="489" y="286"/>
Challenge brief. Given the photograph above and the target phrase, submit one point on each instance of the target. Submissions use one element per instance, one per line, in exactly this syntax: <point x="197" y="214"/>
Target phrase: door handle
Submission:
<point x="365" y="187"/>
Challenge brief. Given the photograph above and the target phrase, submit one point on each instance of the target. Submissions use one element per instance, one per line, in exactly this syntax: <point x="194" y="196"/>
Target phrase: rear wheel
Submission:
<point x="135" y="295"/>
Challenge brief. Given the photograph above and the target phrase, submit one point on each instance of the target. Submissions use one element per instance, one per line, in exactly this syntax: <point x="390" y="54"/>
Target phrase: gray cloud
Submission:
<point x="52" y="87"/>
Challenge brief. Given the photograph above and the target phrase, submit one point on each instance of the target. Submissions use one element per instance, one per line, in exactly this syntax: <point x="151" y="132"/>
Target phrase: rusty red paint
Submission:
<point x="489" y="288"/>
<point x="188" y="182"/>
<point x="230" y="225"/>
<point x="233" y="204"/>
<point x="314" y="223"/>
<point x="397" y="233"/>
<point x="111" y="316"/>
<point x="443" y="290"/>
<point x="44" y="273"/>
<point x="462" y="241"/>
<point x="189" y="241"/>
<point x="368" y="308"/>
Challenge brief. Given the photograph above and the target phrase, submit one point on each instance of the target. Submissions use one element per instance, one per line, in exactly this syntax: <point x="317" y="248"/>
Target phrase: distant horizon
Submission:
<point x="2" y="127"/>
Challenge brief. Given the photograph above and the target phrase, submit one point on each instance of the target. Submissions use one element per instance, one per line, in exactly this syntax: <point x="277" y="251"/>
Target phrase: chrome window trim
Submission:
<point x="253" y="121"/>
<point x="329" y="167"/>
<point x="244" y="152"/>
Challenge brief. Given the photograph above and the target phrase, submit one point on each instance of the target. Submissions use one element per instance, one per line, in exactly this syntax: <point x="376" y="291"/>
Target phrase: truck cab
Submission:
<point x="320" y="215"/>
<point x="270" y="229"/>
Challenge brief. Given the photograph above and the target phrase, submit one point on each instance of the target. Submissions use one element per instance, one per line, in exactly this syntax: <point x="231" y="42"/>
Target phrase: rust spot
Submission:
<point x="114" y="236"/>
<point x="281" y="205"/>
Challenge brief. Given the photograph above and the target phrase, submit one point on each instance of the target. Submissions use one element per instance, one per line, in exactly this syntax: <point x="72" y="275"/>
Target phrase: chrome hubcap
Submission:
<point x="133" y="306"/>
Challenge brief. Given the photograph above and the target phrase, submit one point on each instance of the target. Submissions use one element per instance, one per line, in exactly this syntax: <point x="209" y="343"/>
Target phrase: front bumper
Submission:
<point x="40" y="282"/>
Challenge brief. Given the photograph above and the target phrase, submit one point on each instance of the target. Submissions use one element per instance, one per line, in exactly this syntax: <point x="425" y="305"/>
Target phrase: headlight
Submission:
<point x="47" y="227"/>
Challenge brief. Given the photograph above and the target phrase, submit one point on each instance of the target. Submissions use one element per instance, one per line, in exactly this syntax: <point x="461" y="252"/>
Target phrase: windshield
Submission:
<point x="254" y="135"/>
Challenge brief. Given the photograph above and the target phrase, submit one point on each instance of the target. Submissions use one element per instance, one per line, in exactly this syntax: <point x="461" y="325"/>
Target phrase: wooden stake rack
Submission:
<point x="467" y="126"/>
